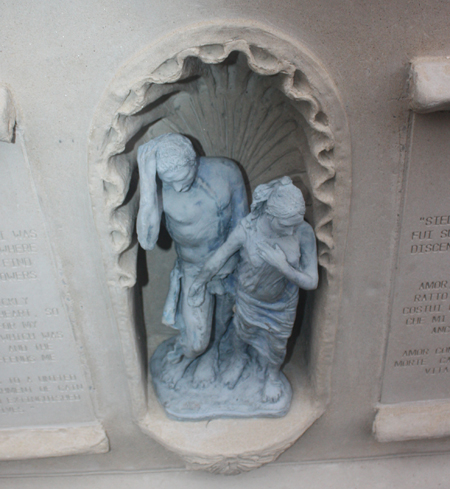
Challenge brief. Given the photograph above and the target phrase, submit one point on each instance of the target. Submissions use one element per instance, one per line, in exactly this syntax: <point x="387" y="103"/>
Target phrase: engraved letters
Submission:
<point x="39" y="365"/>
<point x="418" y="356"/>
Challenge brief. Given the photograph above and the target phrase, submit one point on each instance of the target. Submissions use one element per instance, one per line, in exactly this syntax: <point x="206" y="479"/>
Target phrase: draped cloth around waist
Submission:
<point x="266" y="326"/>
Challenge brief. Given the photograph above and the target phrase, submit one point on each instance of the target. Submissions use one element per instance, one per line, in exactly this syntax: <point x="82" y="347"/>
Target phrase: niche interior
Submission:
<point x="267" y="103"/>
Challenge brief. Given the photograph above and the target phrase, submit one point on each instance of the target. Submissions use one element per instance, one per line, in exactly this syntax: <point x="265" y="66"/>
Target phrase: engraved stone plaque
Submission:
<point x="41" y="378"/>
<point x="417" y="364"/>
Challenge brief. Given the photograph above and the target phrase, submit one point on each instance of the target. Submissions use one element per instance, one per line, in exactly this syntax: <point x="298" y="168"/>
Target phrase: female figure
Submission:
<point x="277" y="256"/>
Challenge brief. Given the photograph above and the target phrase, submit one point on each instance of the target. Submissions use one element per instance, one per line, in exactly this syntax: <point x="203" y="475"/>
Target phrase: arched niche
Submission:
<point x="247" y="93"/>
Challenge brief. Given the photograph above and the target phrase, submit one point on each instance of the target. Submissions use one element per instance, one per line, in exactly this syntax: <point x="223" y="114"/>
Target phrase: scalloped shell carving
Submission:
<point x="258" y="110"/>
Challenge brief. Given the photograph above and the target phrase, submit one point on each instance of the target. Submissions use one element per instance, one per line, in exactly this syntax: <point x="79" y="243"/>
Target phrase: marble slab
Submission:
<point x="417" y="364"/>
<point x="42" y="380"/>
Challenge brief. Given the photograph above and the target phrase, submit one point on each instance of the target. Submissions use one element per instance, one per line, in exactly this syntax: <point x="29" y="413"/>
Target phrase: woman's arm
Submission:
<point x="307" y="276"/>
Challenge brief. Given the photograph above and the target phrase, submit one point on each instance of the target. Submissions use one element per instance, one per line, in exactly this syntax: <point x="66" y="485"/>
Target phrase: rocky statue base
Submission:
<point x="189" y="403"/>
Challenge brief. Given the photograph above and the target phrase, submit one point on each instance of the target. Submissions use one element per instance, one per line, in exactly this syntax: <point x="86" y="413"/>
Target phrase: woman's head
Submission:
<point x="285" y="200"/>
<point x="282" y="202"/>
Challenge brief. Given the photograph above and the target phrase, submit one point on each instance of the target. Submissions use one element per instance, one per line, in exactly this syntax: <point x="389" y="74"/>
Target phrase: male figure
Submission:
<point x="203" y="200"/>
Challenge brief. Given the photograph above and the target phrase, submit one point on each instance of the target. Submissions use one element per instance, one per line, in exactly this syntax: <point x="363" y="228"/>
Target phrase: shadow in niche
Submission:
<point x="132" y="189"/>
<point x="309" y="306"/>
<point x="299" y="318"/>
<point x="153" y="105"/>
<point x="164" y="242"/>
<point x="141" y="331"/>
<point x="248" y="187"/>
<point x="141" y="280"/>
<point x="231" y="59"/>
<point x="131" y="143"/>
<point x="189" y="79"/>
<point x="142" y="277"/>
<point x="197" y="145"/>
<point x="164" y="239"/>
<point x="305" y="300"/>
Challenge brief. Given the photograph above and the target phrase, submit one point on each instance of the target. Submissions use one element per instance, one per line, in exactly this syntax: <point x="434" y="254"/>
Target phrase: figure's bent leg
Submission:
<point x="194" y="337"/>
<point x="273" y="386"/>
<point x="237" y="361"/>
<point x="198" y="322"/>
<point x="176" y="354"/>
<point x="208" y="365"/>
<point x="224" y="314"/>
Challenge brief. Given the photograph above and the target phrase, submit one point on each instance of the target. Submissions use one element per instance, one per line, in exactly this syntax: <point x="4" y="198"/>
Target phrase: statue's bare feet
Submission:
<point x="173" y="372"/>
<point x="234" y="370"/>
<point x="273" y="389"/>
<point x="206" y="370"/>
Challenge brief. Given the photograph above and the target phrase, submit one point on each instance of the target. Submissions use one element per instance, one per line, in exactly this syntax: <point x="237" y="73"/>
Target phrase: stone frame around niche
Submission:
<point x="224" y="445"/>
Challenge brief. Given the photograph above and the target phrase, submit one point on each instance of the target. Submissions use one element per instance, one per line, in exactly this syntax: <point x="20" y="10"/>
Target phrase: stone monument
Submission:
<point x="350" y="100"/>
<point x="236" y="95"/>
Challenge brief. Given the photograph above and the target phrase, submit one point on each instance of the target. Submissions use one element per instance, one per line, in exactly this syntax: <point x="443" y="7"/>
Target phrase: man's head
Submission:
<point x="173" y="158"/>
<point x="176" y="162"/>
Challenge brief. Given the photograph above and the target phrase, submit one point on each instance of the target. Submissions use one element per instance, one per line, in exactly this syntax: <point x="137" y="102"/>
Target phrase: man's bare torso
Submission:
<point x="199" y="220"/>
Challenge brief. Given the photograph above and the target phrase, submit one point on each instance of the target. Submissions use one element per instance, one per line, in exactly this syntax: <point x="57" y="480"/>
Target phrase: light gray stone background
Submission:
<point x="57" y="58"/>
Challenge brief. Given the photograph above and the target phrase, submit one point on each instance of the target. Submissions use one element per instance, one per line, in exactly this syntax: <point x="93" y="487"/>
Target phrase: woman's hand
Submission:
<point x="273" y="256"/>
<point x="196" y="295"/>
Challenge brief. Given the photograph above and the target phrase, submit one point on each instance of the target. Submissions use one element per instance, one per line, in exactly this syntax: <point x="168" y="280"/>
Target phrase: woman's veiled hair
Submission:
<point x="278" y="198"/>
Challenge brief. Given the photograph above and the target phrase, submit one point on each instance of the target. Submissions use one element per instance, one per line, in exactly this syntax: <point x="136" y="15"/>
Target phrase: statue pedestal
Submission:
<point x="216" y="400"/>
<point x="230" y="446"/>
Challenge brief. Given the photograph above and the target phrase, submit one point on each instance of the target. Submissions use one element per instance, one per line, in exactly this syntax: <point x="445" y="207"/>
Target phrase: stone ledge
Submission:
<point x="52" y="441"/>
<point x="430" y="84"/>
<point x="412" y="421"/>
<point x="231" y="446"/>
